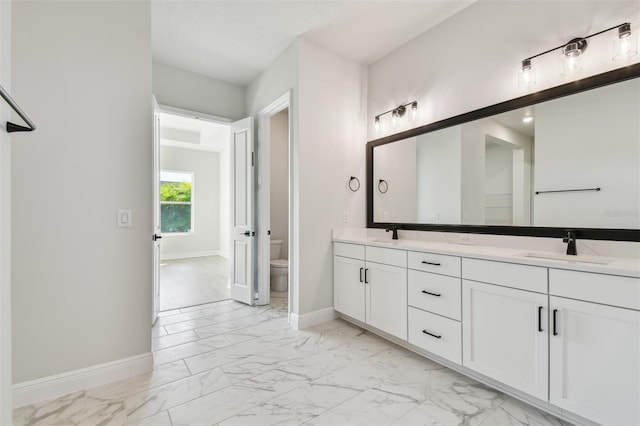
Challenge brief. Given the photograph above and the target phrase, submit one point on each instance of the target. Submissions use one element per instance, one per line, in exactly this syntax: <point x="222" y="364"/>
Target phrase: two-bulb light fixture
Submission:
<point x="397" y="114"/>
<point x="624" y="46"/>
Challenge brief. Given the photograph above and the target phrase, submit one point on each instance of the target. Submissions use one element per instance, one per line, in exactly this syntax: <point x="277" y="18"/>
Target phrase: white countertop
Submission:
<point x="584" y="263"/>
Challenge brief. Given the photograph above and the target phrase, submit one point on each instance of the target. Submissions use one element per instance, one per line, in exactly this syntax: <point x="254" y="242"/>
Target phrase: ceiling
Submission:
<point x="235" y="41"/>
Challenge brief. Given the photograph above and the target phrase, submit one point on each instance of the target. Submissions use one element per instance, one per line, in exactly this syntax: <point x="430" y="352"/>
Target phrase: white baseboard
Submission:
<point x="85" y="378"/>
<point x="312" y="318"/>
<point x="187" y="255"/>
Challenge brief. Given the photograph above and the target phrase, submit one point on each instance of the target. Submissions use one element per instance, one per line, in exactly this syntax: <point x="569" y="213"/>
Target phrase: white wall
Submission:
<point x="575" y="150"/>
<point x="81" y="285"/>
<point x="332" y="111"/>
<point x="205" y="166"/>
<point x="279" y="153"/>
<point x="472" y="59"/>
<point x="474" y="137"/>
<point x="439" y="175"/>
<point x="184" y="89"/>
<point x="395" y="164"/>
<point x="5" y="220"/>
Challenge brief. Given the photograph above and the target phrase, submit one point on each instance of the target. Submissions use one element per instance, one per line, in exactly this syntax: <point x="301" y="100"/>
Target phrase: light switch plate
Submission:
<point x="125" y="218"/>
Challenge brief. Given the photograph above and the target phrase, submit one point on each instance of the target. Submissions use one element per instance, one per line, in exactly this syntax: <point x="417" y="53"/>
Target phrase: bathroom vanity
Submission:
<point x="561" y="332"/>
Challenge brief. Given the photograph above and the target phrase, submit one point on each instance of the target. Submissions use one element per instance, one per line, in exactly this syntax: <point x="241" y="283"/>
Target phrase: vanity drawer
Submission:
<point x="445" y="339"/>
<point x="435" y="293"/>
<point x="437" y="263"/>
<point x="598" y="288"/>
<point x="523" y="277"/>
<point x="386" y="256"/>
<point x="354" y="251"/>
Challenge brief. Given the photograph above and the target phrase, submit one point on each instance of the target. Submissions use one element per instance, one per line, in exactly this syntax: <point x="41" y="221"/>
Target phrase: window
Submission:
<point x="176" y="199"/>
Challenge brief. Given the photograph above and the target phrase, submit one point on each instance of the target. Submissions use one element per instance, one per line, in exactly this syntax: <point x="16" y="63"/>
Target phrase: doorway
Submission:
<point x="193" y="191"/>
<point x="276" y="242"/>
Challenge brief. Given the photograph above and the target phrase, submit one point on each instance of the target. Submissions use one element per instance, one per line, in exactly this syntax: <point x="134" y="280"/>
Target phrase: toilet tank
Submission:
<point x="276" y="246"/>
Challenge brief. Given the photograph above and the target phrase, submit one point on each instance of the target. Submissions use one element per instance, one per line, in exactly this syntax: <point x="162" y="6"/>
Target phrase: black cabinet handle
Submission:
<point x="555" y="331"/>
<point x="432" y="294"/>
<point x="361" y="269"/>
<point x="431" y="263"/>
<point x="247" y="233"/>
<point x="540" y="318"/>
<point x="431" y="334"/>
<point x="366" y="280"/>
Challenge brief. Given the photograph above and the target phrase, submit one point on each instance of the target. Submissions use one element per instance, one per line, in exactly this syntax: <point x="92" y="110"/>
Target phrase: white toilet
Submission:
<point x="279" y="270"/>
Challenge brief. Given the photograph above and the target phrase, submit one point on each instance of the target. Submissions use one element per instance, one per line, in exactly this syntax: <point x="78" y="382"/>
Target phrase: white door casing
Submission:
<point x="241" y="253"/>
<point x="263" y="239"/>
<point x="156" y="211"/>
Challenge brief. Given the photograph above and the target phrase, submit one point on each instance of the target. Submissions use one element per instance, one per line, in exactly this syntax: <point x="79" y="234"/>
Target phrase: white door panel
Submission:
<point x="156" y="212"/>
<point x="242" y="194"/>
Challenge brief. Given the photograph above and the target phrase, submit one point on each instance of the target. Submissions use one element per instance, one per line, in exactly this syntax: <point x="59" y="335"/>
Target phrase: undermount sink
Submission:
<point x="385" y="241"/>
<point x="568" y="258"/>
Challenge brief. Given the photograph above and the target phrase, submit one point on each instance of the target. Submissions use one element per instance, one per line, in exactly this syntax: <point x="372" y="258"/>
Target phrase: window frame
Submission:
<point x="191" y="203"/>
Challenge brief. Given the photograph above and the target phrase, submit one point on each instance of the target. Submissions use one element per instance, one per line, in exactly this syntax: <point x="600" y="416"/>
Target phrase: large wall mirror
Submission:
<point x="564" y="158"/>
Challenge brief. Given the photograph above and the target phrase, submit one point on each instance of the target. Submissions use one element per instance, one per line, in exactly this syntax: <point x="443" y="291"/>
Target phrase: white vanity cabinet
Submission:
<point x="505" y="330"/>
<point x="567" y="337"/>
<point x="348" y="281"/>
<point x="434" y="304"/>
<point x="370" y="285"/>
<point x="595" y="348"/>
<point x="386" y="290"/>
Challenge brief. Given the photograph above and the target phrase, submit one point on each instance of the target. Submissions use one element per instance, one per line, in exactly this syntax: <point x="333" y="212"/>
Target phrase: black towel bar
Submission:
<point x="12" y="127"/>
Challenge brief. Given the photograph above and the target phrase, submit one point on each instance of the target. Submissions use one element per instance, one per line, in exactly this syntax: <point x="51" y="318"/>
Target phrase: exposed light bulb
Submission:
<point x="625" y="45"/>
<point x="527" y="76"/>
<point x="414" y="110"/>
<point x="376" y="124"/>
<point x="394" y="118"/>
<point x="571" y="57"/>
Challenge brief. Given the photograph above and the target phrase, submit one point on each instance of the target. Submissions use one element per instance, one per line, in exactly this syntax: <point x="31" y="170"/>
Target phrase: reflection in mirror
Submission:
<point x="522" y="167"/>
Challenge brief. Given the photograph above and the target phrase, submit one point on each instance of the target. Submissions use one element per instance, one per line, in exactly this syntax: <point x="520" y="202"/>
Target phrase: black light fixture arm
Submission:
<point x="12" y="127"/>
<point x="578" y="39"/>
<point x="400" y="110"/>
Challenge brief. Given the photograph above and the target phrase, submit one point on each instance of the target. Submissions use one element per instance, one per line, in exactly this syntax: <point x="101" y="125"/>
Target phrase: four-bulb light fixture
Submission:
<point x="397" y="113"/>
<point x="624" y="46"/>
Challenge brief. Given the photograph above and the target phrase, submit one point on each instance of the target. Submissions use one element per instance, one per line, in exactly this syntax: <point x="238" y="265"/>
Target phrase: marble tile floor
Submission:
<point x="239" y="365"/>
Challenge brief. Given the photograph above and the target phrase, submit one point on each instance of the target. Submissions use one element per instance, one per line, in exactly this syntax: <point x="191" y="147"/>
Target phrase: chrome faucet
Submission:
<point x="393" y="228"/>
<point x="570" y="239"/>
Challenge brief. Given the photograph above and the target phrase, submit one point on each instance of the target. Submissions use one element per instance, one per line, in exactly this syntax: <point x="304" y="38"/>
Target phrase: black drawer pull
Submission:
<point x="555" y="321"/>
<point x="361" y="280"/>
<point x="431" y="263"/>
<point x="540" y="318"/>
<point x="431" y="334"/>
<point x="432" y="294"/>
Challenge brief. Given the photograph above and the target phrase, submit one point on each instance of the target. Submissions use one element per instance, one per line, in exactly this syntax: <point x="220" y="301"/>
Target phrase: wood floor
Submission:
<point x="193" y="281"/>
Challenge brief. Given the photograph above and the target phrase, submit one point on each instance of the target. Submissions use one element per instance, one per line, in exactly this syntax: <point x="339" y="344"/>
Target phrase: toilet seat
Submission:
<point x="279" y="263"/>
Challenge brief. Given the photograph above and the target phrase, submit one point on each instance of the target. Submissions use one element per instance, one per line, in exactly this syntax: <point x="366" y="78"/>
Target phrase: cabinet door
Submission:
<point x="386" y="296"/>
<point x="505" y="335"/>
<point x="595" y="361"/>
<point x="348" y="287"/>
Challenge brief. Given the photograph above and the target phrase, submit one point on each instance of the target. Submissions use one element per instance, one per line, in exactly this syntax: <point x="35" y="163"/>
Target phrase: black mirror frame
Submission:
<point x="604" y="79"/>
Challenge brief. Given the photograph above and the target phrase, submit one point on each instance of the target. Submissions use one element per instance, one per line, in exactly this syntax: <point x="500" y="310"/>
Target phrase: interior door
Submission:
<point x="156" y="211"/>
<point x="241" y="255"/>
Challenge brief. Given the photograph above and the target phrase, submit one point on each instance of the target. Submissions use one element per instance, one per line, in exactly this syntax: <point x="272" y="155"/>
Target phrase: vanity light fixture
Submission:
<point x="624" y="46"/>
<point x="396" y="114"/>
